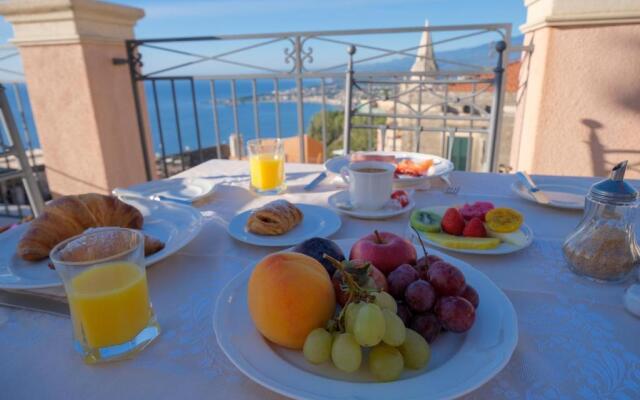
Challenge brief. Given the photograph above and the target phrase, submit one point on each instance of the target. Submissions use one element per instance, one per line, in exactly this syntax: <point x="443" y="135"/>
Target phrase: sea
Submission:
<point x="266" y="111"/>
<point x="187" y="123"/>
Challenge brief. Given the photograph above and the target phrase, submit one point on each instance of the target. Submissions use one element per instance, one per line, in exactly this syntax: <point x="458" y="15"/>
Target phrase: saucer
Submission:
<point x="341" y="202"/>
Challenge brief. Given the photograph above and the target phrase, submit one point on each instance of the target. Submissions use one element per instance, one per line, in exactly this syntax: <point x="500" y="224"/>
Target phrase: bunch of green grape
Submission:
<point x="376" y="326"/>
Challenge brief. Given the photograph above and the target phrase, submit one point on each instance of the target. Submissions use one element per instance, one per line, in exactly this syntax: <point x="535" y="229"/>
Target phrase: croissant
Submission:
<point x="275" y="218"/>
<point x="68" y="216"/>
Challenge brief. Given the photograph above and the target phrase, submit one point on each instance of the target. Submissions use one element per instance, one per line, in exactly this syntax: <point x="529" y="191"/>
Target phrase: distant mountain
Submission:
<point x="483" y="55"/>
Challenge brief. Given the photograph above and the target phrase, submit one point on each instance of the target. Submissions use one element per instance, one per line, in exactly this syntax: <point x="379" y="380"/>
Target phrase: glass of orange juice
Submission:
<point x="266" y="165"/>
<point x="104" y="277"/>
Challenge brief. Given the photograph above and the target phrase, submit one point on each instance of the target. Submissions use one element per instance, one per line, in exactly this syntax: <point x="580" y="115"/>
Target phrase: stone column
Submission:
<point x="579" y="105"/>
<point x="82" y="103"/>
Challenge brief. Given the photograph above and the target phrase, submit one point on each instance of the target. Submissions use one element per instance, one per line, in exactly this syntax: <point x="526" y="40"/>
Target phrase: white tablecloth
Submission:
<point x="576" y="340"/>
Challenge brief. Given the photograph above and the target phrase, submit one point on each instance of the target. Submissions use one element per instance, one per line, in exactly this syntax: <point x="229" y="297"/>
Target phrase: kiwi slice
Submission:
<point x="426" y="221"/>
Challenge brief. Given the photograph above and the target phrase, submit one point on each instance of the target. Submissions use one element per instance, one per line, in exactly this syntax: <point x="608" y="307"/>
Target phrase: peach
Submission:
<point x="289" y="295"/>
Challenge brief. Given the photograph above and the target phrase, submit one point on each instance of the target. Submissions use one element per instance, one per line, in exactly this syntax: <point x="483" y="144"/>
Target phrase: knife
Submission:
<point x="316" y="181"/>
<point x="34" y="302"/>
<point x="531" y="187"/>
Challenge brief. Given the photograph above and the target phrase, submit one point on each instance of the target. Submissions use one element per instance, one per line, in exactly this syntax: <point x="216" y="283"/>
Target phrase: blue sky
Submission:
<point x="199" y="17"/>
<point x="167" y="18"/>
<point x="191" y="17"/>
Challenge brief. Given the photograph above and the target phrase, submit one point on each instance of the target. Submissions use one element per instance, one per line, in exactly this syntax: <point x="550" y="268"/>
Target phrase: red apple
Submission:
<point x="385" y="250"/>
<point x="375" y="280"/>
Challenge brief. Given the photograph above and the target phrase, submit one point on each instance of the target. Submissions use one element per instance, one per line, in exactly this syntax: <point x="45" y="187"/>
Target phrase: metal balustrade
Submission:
<point x="21" y="168"/>
<point x="17" y="165"/>
<point x="186" y="121"/>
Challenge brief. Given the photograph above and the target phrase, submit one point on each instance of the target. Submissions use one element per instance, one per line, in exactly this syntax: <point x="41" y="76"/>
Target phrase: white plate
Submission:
<point x="174" y="224"/>
<point x="441" y="166"/>
<point x="316" y="222"/>
<point x="342" y="197"/>
<point x="503" y="248"/>
<point x="178" y="189"/>
<point x="459" y="364"/>
<point x="560" y="196"/>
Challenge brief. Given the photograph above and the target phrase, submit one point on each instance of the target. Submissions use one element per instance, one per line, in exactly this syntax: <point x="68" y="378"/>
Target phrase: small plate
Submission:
<point x="560" y="196"/>
<point x="186" y="190"/>
<point x="459" y="363"/>
<point x="316" y="222"/>
<point x="441" y="166"/>
<point x="503" y="248"/>
<point x="174" y="224"/>
<point x="339" y="199"/>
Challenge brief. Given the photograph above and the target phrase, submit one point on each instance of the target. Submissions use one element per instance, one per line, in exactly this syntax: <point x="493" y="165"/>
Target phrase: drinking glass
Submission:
<point x="104" y="276"/>
<point x="266" y="165"/>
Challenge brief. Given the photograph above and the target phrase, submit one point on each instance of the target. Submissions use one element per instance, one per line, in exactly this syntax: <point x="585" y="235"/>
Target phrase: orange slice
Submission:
<point x="503" y="220"/>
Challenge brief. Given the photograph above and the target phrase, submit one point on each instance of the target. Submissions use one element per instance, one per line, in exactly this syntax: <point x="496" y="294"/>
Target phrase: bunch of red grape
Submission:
<point x="433" y="296"/>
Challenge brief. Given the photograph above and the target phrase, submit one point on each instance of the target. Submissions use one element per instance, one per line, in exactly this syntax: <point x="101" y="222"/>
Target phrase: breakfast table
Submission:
<point x="576" y="340"/>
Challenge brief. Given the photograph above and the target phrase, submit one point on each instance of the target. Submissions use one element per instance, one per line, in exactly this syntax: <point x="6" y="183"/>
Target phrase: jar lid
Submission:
<point x="615" y="189"/>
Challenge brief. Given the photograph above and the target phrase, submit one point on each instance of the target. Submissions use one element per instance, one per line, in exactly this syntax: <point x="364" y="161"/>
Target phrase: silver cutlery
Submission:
<point x="34" y="302"/>
<point x="450" y="189"/>
<point x="120" y="192"/>
<point x="316" y="181"/>
<point x="531" y="187"/>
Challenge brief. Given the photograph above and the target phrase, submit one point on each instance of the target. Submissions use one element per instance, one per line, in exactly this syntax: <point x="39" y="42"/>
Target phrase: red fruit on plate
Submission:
<point x="402" y="197"/>
<point x="426" y="325"/>
<point x="474" y="228"/>
<point x="476" y="210"/>
<point x="471" y="295"/>
<point x="446" y="279"/>
<point x="455" y="313"/>
<point x="452" y="222"/>
<point x="423" y="263"/>
<point x="374" y="279"/>
<point x="404" y="313"/>
<point x="400" y="278"/>
<point x="385" y="250"/>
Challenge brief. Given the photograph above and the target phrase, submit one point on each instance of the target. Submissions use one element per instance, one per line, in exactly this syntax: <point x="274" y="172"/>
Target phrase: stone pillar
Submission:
<point x="579" y="106"/>
<point x="82" y="103"/>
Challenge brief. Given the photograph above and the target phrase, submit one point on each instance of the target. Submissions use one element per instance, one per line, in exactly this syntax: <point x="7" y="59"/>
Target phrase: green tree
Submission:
<point x="335" y="125"/>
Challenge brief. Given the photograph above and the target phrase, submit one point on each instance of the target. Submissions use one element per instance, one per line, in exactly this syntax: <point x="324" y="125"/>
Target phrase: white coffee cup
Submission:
<point x="370" y="183"/>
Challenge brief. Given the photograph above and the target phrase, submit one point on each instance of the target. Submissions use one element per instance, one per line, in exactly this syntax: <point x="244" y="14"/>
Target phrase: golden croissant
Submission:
<point x="69" y="216"/>
<point x="275" y="218"/>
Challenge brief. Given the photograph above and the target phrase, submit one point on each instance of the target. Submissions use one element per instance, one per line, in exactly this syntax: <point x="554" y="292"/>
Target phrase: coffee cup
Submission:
<point x="370" y="183"/>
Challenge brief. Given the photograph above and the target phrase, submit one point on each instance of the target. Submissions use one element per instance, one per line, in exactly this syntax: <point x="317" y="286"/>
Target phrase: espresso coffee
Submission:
<point x="370" y="183"/>
<point x="370" y="170"/>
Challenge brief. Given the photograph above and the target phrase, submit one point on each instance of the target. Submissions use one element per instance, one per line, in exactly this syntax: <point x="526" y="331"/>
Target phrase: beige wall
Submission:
<point x="80" y="99"/>
<point x="580" y="112"/>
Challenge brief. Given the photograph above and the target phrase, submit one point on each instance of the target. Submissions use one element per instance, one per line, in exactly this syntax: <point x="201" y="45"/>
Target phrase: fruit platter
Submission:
<point x="377" y="317"/>
<point x="474" y="228"/>
<point x="411" y="168"/>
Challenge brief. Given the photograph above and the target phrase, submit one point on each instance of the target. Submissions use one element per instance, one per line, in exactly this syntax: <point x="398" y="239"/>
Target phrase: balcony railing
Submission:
<point x="279" y="81"/>
<point x="17" y="156"/>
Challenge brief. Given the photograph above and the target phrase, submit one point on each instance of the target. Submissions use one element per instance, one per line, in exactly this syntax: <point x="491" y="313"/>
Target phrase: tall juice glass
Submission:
<point x="266" y="165"/>
<point x="106" y="284"/>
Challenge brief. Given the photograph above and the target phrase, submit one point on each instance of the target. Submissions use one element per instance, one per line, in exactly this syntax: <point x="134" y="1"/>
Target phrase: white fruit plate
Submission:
<point x="502" y="248"/>
<point x="459" y="364"/>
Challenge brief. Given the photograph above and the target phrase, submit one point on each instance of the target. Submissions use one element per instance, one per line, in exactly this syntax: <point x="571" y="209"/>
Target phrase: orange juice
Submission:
<point x="267" y="171"/>
<point x="110" y="303"/>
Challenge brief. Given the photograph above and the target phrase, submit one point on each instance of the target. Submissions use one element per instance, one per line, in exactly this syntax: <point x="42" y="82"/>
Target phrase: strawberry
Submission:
<point x="402" y="197"/>
<point x="475" y="228"/>
<point x="452" y="222"/>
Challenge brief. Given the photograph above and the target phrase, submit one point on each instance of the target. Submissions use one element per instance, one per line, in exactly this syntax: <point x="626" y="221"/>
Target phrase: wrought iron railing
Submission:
<point x="417" y="94"/>
<point x="193" y="109"/>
